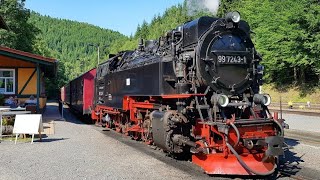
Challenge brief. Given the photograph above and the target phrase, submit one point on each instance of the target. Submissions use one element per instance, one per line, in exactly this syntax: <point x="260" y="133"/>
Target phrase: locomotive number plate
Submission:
<point x="222" y="59"/>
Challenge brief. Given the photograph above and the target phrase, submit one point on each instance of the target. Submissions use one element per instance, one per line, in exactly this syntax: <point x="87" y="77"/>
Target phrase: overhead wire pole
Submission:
<point x="98" y="55"/>
<point x="98" y="50"/>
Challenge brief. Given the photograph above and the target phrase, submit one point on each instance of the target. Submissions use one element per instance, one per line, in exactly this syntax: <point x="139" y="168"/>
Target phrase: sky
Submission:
<point x="119" y="15"/>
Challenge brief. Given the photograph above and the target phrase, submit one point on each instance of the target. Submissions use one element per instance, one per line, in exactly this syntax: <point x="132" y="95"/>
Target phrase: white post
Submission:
<point x="1" y="125"/>
<point x="62" y="109"/>
<point x="15" y="142"/>
<point x="32" y="139"/>
<point x="98" y="55"/>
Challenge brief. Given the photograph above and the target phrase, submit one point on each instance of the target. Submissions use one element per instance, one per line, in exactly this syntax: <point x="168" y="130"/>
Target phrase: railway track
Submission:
<point x="303" y="136"/>
<point x="295" y="111"/>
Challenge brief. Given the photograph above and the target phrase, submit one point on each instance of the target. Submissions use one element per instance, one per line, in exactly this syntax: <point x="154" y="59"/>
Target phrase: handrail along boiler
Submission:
<point x="194" y="91"/>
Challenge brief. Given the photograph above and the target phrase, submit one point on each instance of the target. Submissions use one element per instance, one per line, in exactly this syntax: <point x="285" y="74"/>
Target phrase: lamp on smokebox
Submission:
<point x="263" y="99"/>
<point x="220" y="99"/>
<point x="233" y="17"/>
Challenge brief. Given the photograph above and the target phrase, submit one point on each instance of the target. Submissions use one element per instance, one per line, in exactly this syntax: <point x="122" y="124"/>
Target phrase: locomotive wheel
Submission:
<point x="136" y="135"/>
<point x="118" y="129"/>
<point x="107" y="125"/>
<point x="124" y="124"/>
<point x="117" y="124"/>
<point x="124" y="129"/>
<point x="146" y="135"/>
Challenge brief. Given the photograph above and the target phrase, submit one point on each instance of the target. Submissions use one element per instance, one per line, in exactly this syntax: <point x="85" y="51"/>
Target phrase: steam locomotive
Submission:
<point x="194" y="91"/>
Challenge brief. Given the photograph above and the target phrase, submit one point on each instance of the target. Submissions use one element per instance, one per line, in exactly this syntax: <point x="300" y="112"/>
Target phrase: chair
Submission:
<point x="32" y="108"/>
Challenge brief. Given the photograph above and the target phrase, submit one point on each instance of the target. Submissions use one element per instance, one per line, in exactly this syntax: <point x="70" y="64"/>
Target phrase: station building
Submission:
<point x="23" y="74"/>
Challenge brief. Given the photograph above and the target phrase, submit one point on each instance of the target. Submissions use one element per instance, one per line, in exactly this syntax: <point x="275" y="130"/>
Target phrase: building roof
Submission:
<point x="49" y="65"/>
<point x="3" y="24"/>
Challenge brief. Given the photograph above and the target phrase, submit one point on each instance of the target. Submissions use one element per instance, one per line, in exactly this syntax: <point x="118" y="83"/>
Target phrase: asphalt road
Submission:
<point x="302" y="122"/>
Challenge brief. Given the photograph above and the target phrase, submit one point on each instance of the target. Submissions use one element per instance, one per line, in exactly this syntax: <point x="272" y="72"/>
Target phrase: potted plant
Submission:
<point x="7" y="122"/>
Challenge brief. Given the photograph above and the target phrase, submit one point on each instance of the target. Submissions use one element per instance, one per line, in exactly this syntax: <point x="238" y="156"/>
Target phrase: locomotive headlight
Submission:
<point x="233" y="16"/>
<point x="223" y="100"/>
<point x="220" y="99"/>
<point x="263" y="99"/>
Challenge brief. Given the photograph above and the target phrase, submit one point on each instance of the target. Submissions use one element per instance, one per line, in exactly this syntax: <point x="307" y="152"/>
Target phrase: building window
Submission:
<point x="7" y="82"/>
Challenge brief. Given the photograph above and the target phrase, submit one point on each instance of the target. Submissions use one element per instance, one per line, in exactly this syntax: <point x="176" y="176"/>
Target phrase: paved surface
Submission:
<point x="303" y="122"/>
<point x="78" y="151"/>
<point x="304" y="138"/>
<point x="49" y="117"/>
<point x="303" y="159"/>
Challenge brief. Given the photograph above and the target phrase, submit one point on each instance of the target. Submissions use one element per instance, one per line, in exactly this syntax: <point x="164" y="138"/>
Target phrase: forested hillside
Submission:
<point x="72" y="43"/>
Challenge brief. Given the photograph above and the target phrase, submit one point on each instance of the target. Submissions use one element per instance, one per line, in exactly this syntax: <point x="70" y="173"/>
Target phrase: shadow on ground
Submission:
<point x="289" y="163"/>
<point x="50" y="140"/>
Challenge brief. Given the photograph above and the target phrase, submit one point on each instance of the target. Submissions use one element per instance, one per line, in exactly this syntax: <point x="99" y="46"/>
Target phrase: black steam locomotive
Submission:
<point x="194" y="91"/>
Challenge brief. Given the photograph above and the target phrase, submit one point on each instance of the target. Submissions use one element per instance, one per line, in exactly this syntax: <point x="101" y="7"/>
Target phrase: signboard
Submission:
<point x="28" y="124"/>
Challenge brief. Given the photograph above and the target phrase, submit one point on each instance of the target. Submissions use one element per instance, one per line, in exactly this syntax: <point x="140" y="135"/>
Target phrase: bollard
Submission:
<point x="275" y="116"/>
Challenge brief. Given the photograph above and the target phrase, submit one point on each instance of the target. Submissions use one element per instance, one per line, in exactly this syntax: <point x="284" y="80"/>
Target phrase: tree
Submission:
<point x="22" y="34"/>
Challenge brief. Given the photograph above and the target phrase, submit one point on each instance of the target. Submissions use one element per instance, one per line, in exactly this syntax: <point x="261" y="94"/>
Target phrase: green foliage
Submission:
<point x="69" y="42"/>
<point x="22" y="34"/>
<point x="287" y="35"/>
<point x="8" y="120"/>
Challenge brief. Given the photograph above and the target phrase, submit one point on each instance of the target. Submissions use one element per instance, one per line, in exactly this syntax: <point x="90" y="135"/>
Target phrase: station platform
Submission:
<point x="49" y="116"/>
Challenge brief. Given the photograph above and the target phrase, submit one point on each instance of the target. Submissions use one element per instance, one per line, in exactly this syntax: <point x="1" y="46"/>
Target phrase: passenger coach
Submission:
<point x="79" y="92"/>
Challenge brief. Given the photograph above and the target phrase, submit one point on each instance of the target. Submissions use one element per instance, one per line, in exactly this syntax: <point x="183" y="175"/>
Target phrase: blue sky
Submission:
<point x="118" y="15"/>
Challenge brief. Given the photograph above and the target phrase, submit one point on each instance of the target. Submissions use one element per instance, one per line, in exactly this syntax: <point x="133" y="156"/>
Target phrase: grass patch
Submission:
<point x="13" y="138"/>
<point x="292" y="93"/>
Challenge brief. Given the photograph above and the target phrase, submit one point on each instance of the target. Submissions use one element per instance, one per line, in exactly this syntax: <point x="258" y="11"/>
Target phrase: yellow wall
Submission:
<point x="23" y="76"/>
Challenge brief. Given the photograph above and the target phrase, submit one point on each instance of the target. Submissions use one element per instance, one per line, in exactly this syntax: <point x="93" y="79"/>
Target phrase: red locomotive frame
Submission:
<point x="222" y="161"/>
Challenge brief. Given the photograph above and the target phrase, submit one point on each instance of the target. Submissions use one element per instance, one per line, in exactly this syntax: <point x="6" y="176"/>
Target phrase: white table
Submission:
<point x="5" y="112"/>
<point x="18" y="109"/>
